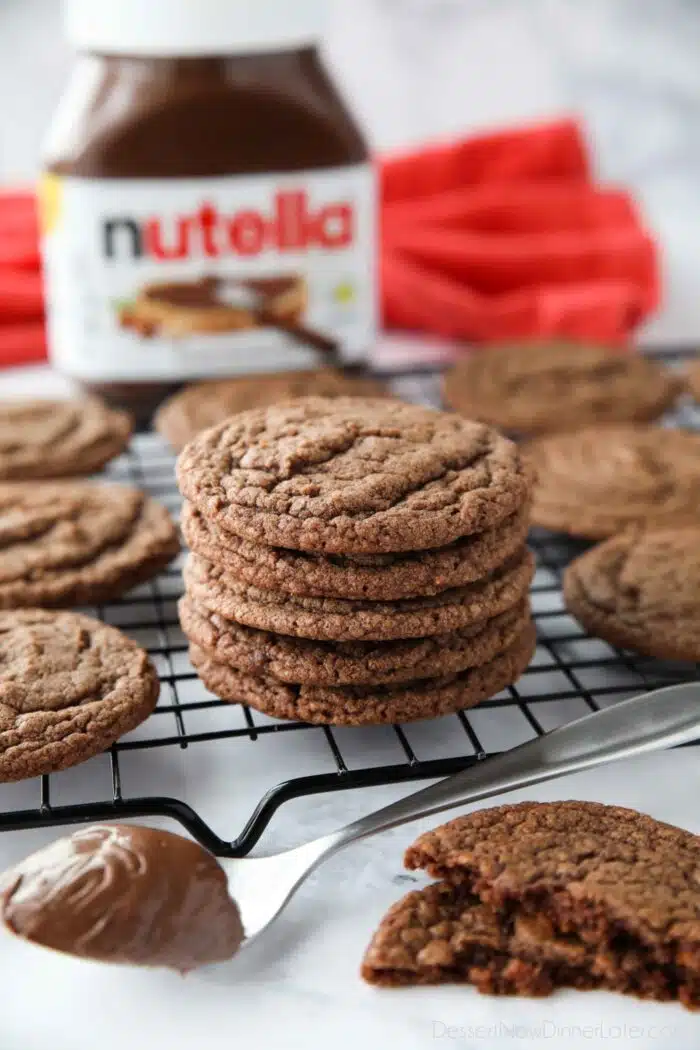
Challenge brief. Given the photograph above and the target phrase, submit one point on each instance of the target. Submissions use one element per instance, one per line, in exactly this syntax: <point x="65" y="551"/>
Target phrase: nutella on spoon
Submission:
<point x="119" y="894"/>
<point x="202" y="147"/>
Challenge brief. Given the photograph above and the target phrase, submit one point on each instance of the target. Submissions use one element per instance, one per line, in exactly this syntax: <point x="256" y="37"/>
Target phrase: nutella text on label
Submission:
<point x="209" y="276"/>
<point x="290" y="224"/>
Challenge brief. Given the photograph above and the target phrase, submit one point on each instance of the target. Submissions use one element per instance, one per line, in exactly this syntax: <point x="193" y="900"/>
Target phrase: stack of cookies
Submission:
<point x="356" y="561"/>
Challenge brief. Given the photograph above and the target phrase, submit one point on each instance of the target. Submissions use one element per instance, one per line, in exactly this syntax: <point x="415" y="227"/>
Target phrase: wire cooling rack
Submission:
<point x="191" y="731"/>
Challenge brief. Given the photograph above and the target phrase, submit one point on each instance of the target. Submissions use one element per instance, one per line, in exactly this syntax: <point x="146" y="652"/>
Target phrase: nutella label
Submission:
<point x="150" y="279"/>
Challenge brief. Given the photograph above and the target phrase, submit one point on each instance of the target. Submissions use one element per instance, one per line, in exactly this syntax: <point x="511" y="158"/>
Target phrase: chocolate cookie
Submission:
<point x="353" y="476"/>
<point x="545" y="388"/>
<point x="443" y="934"/>
<point x="203" y="405"/>
<point x="598" y="481"/>
<point x="641" y="591"/>
<point x="300" y="661"/>
<point x="368" y="705"/>
<point x="374" y="577"/>
<point x="79" y="543"/>
<point x="54" y="439"/>
<point x="334" y="619"/>
<point x="624" y="884"/>
<point x="69" y="688"/>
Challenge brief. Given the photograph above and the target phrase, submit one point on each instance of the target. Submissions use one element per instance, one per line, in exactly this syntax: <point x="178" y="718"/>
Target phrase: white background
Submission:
<point x="423" y="68"/>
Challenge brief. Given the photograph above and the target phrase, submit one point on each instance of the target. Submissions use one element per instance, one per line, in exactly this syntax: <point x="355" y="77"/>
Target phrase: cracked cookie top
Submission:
<point x="54" y="439"/>
<point x="69" y="687"/>
<point x="545" y="388"/>
<point x="602" y="871"/>
<point x="205" y="404"/>
<point x="599" y="481"/>
<point x="79" y="542"/>
<point x="353" y="475"/>
<point x="640" y="590"/>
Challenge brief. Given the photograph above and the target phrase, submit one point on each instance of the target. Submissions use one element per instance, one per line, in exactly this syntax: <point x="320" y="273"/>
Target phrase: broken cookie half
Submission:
<point x="540" y="896"/>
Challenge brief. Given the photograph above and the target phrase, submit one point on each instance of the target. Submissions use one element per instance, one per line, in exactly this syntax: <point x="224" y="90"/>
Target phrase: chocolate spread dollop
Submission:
<point x="121" y="894"/>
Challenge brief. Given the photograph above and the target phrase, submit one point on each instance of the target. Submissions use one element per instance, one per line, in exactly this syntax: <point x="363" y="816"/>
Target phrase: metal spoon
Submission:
<point x="665" y="718"/>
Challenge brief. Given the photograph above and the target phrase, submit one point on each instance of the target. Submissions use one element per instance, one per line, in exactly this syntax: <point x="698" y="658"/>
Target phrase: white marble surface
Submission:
<point x="424" y="68"/>
<point x="298" y="988"/>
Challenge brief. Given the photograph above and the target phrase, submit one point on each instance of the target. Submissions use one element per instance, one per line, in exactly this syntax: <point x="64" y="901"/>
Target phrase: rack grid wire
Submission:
<point x="572" y="674"/>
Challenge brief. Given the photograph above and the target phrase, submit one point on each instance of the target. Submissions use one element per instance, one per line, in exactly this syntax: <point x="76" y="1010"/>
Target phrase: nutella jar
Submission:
<point x="208" y="203"/>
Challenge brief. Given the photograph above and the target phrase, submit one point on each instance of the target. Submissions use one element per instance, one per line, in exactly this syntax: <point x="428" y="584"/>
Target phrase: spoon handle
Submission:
<point x="664" y="718"/>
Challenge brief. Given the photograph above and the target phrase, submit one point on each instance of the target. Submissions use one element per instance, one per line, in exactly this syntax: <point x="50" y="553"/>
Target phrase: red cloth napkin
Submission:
<point x="506" y="236"/>
<point x="22" y="331"/>
<point x="547" y="151"/>
<point x="502" y="236"/>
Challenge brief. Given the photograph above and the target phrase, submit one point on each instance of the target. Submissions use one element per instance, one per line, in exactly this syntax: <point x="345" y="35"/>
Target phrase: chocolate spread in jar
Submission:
<point x="123" y="894"/>
<point x="203" y="146"/>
